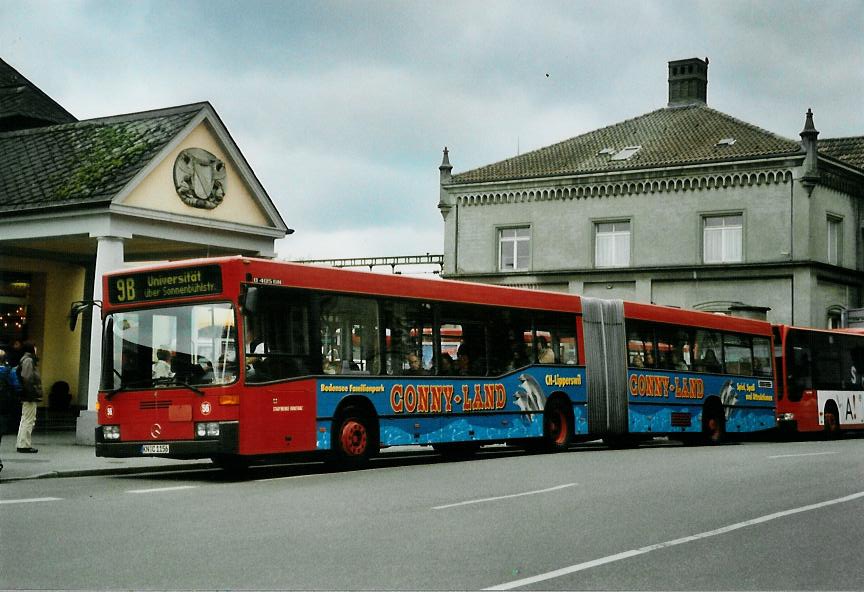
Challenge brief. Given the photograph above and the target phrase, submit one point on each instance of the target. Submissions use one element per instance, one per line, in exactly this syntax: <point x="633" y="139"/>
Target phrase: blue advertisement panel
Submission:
<point x="419" y="410"/>
<point x="669" y="402"/>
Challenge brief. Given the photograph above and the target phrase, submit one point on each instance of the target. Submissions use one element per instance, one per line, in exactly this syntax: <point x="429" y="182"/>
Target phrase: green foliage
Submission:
<point x="94" y="168"/>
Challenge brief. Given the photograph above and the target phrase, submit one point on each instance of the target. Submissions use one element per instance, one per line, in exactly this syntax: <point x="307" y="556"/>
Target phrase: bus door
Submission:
<point x="278" y="408"/>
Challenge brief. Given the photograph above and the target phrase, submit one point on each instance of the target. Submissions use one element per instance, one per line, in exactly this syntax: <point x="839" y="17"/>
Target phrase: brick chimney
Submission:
<point x="688" y="82"/>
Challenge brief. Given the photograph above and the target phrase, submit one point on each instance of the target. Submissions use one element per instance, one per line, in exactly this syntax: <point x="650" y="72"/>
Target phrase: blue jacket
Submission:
<point x="10" y="377"/>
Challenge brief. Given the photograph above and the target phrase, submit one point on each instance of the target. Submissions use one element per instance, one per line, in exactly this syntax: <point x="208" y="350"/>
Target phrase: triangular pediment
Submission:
<point x="201" y="174"/>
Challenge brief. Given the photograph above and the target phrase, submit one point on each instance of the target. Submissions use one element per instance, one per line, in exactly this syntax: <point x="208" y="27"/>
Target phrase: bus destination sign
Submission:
<point x="165" y="284"/>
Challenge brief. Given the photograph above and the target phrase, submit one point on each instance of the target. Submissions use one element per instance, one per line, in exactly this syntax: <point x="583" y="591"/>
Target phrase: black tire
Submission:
<point x="355" y="438"/>
<point x="713" y="423"/>
<point x="558" y="432"/>
<point x="831" y="419"/>
<point x="558" y="425"/>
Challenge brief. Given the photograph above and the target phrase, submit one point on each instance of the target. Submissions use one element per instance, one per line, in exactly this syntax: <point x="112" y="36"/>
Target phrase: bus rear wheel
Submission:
<point x="713" y="424"/>
<point x="831" y="418"/>
<point x="355" y="439"/>
<point x="557" y="426"/>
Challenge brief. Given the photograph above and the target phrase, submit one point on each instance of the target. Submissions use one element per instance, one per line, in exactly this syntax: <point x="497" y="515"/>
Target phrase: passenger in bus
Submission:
<point x="519" y="358"/>
<point x="447" y="367"/>
<point x="162" y="365"/>
<point x="545" y="354"/>
<point x="678" y="361"/>
<point x="415" y="366"/>
<point x="649" y="360"/>
<point x="637" y="361"/>
<point x="463" y="360"/>
<point x="710" y="361"/>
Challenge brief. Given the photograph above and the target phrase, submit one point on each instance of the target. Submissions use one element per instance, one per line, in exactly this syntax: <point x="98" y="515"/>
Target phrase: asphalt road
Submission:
<point x="751" y="516"/>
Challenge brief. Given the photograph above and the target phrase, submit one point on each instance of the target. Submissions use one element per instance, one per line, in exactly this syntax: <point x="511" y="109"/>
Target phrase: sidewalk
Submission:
<point x="59" y="456"/>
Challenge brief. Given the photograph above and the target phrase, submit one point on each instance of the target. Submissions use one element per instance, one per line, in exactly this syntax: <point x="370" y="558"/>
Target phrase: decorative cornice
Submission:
<point x="587" y="190"/>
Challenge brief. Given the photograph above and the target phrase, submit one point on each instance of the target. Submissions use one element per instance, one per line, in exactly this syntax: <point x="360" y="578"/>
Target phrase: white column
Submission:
<point x="109" y="257"/>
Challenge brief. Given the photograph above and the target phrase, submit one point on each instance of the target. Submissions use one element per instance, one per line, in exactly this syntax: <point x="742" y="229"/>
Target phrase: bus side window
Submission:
<point x="640" y="345"/>
<point x="762" y="357"/>
<point x="675" y="348"/>
<point x="508" y="349"/>
<point x="799" y="367"/>
<point x="708" y="350"/>
<point x="349" y="335"/>
<point x="407" y="338"/>
<point x="737" y="355"/>
<point x="555" y="338"/>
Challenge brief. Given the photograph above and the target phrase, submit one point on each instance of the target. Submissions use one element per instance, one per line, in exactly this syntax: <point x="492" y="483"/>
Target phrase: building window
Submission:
<point x="514" y="249"/>
<point x="612" y="244"/>
<point x="722" y="239"/>
<point x="834" y="240"/>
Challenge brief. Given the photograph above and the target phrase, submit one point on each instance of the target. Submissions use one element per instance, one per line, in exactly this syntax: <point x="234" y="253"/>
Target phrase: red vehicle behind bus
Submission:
<point x="820" y="382"/>
<point x="238" y="358"/>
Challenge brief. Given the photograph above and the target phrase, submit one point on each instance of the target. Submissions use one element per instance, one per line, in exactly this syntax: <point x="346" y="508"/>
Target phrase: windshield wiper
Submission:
<point x="172" y="380"/>
<point x="165" y="380"/>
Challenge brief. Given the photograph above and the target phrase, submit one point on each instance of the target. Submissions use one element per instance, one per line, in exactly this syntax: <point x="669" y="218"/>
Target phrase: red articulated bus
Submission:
<point x="820" y="379"/>
<point x="239" y="359"/>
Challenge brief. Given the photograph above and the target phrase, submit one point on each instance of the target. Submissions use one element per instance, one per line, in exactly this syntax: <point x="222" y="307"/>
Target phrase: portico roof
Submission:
<point x="85" y="163"/>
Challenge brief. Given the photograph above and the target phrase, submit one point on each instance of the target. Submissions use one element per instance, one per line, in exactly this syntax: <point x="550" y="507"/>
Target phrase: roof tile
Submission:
<point x="670" y="136"/>
<point x="86" y="162"/>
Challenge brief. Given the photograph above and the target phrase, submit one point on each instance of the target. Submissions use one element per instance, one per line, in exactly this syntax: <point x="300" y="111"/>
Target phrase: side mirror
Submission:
<point x="79" y="307"/>
<point x="250" y="299"/>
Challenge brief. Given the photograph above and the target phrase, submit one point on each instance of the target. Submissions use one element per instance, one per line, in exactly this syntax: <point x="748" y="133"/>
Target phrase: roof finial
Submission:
<point x="810" y="167"/>
<point x="445" y="162"/>
<point x="808" y="123"/>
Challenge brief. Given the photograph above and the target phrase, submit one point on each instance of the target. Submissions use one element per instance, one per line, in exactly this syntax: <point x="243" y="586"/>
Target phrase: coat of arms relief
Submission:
<point x="199" y="178"/>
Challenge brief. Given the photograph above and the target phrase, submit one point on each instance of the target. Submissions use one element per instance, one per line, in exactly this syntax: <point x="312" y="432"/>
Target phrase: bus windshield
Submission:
<point x="190" y="345"/>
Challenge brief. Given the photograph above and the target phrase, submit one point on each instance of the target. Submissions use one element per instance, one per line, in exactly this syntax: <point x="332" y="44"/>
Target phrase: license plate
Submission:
<point x="155" y="449"/>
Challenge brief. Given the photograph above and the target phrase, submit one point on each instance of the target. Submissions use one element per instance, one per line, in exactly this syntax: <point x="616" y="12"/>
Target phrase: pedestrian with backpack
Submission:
<point x="10" y="391"/>
<point x="31" y="394"/>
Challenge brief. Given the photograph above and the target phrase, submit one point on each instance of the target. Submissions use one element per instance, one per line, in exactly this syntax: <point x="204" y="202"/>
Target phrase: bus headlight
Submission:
<point x="786" y="417"/>
<point x="111" y="432"/>
<point x="207" y="430"/>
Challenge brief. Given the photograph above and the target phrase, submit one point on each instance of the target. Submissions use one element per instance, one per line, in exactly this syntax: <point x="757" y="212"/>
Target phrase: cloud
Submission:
<point x="342" y="108"/>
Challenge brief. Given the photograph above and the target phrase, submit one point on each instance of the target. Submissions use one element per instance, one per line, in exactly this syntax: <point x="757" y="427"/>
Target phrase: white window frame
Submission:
<point x="834" y="232"/>
<point x="510" y="238"/>
<point x="618" y="240"/>
<point x="728" y="234"/>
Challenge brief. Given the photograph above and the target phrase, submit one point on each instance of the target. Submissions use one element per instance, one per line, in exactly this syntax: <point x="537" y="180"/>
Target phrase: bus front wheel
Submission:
<point x="355" y="439"/>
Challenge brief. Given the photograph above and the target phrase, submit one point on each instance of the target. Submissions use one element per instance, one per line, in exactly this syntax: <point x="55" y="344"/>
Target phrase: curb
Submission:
<point x="110" y="472"/>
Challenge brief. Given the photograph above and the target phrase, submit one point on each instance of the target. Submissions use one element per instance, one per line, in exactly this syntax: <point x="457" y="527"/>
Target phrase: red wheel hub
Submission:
<point x="354" y="438"/>
<point x="558" y="427"/>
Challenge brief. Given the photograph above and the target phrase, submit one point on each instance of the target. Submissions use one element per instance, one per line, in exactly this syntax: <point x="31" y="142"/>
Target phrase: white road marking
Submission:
<point x="804" y="454"/>
<point x="289" y="477"/>
<point x="31" y="500"/>
<point x="501" y="497"/>
<point x="161" y="489"/>
<point x="688" y="539"/>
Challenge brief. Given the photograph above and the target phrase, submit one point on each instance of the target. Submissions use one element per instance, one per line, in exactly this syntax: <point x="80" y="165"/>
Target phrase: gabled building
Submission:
<point x="79" y="198"/>
<point x="683" y="206"/>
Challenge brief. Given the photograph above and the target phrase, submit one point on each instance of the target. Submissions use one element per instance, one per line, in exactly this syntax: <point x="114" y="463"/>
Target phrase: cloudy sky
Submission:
<point x="343" y="108"/>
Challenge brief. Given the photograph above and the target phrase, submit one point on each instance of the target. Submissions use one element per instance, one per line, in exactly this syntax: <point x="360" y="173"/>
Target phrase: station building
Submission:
<point x="683" y="206"/>
<point x="80" y="198"/>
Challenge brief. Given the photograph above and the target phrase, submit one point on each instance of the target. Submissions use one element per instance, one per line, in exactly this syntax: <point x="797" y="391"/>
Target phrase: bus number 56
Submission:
<point x="125" y="290"/>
